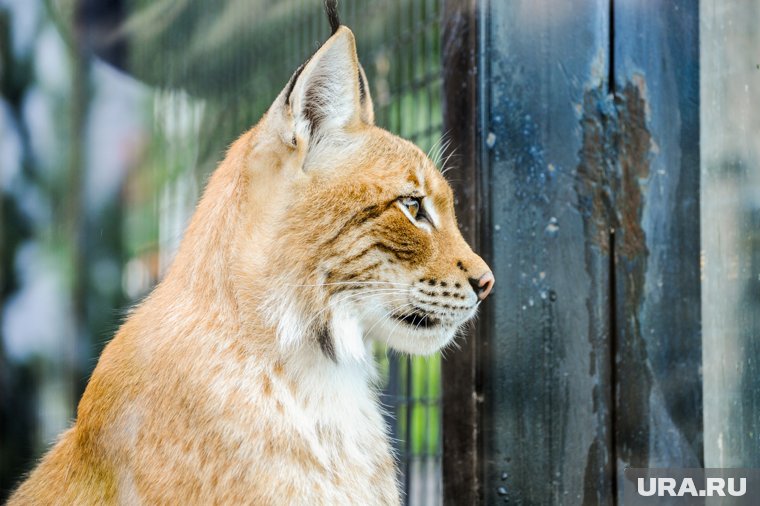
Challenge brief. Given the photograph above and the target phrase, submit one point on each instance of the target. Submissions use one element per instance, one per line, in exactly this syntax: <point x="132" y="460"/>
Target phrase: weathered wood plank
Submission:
<point x="544" y="358"/>
<point x="658" y="394"/>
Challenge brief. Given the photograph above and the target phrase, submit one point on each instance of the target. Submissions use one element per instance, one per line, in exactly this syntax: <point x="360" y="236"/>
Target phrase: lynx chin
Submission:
<point x="246" y="377"/>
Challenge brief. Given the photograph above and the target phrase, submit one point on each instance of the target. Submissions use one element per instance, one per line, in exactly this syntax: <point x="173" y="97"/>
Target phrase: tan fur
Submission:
<point x="207" y="394"/>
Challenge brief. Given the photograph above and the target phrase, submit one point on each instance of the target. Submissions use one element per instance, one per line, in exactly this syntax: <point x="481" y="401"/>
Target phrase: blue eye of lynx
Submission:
<point x="414" y="206"/>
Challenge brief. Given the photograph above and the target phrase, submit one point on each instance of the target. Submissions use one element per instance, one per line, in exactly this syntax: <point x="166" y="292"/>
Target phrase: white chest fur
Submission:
<point x="310" y="423"/>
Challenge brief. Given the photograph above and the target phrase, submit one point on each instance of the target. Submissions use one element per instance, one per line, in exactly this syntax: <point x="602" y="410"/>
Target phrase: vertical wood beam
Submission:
<point x="461" y="78"/>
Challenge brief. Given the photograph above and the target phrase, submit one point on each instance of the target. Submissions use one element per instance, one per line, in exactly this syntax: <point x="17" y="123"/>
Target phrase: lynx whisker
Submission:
<point x="386" y="316"/>
<point x="444" y="166"/>
<point x="397" y="323"/>
<point x="353" y="296"/>
<point x="349" y="283"/>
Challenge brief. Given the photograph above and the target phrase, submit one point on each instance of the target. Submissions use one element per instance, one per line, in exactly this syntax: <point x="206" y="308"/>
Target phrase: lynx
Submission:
<point x="246" y="376"/>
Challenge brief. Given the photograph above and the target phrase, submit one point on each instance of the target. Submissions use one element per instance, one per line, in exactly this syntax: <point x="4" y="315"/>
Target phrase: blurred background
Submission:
<point x="114" y="112"/>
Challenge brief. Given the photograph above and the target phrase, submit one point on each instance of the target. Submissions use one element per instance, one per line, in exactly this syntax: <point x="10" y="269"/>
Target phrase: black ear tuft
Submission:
<point x="331" y="9"/>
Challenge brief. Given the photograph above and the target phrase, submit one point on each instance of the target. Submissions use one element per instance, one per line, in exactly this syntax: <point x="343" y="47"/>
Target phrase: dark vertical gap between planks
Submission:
<point x="611" y="51"/>
<point x="612" y="387"/>
<point x="613" y="335"/>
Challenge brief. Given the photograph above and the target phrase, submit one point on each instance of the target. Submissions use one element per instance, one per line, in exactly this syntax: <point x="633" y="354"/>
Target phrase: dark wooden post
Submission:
<point x="461" y="118"/>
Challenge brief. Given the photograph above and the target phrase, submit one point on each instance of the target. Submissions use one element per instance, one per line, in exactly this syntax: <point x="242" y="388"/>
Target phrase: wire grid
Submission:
<point x="399" y="46"/>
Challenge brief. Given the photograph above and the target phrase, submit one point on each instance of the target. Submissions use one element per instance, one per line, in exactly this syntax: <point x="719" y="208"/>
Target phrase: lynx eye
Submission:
<point x="414" y="206"/>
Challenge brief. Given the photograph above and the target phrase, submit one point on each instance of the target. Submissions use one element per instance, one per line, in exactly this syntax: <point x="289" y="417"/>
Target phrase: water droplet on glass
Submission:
<point x="491" y="139"/>
<point x="504" y="476"/>
<point x="552" y="295"/>
<point x="553" y="227"/>
<point x="501" y="491"/>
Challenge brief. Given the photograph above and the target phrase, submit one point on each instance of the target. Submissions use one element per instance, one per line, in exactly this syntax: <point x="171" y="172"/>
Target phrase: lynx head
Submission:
<point x="352" y="233"/>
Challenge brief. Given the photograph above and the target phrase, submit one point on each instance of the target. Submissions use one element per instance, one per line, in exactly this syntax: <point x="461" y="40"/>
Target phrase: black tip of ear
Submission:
<point x="331" y="9"/>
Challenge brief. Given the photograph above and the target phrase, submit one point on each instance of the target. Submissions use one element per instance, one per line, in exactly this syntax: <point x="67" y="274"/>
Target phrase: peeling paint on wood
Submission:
<point x="614" y="162"/>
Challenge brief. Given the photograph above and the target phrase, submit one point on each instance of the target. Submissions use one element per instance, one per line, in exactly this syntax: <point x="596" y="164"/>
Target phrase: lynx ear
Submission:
<point x="329" y="93"/>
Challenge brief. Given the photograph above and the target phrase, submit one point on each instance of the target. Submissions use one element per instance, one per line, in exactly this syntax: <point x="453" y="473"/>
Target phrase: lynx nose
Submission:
<point x="482" y="285"/>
